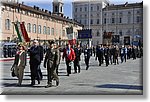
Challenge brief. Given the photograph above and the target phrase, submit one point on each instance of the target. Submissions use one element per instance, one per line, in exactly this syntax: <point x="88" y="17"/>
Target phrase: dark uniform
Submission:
<point x="106" y="54"/>
<point x="51" y="60"/>
<point x="5" y="51"/>
<point x="87" y="54"/>
<point x="77" y="60"/>
<point x="99" y="54"/>
<point x="35" y="61"/>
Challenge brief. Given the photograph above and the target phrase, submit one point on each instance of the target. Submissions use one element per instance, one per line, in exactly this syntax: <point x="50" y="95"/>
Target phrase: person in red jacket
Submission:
<point x="69" y="56"/>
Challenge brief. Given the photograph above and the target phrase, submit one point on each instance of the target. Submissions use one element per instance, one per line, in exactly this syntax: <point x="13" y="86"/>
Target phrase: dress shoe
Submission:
<point x="57" y="83"/>
<point x="49" y="85"/>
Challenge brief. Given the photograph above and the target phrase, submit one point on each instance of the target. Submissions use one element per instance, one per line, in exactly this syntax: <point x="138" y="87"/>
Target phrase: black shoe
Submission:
<point x="68" y="74"/>
<point x="49" y="85"/>
<point x="99" y="64"/>
<point x="33" y="83"/>
<point x="57" y="83"/>
<point x="38" y="81"/>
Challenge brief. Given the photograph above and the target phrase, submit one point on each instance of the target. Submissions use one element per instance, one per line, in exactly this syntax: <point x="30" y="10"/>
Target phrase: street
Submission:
<point x="122" y="79"/>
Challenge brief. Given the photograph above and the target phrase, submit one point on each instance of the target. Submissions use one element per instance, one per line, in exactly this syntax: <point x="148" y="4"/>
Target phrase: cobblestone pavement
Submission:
<point x="125" y="78"/>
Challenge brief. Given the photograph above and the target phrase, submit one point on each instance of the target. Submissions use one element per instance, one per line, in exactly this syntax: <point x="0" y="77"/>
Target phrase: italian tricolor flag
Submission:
<point x="21" y="32"/>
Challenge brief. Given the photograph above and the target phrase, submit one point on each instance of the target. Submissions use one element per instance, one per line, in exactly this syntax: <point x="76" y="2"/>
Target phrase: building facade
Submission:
<point x="89" y="13"/>
<point x="40" y="24"/>
<point x="125" y="20"/>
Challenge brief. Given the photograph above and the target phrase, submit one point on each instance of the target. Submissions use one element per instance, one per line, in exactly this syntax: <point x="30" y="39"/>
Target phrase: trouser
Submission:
<point x="51" y="73"/>
<point x="116" y="59"/>
<point x="76" y="64"/>
<point x="122" y="57"/>
<point x="39" y="73"/>
<point x="100" y="60"/>
<point x="107" y="60"/>
<point x="19" y="72"/>
<point x="57" y="66"/>
<point x="87" y="61"/>
<point x="34" y="72"/>
<point x="125" y="57"/>
<point x="68" y="67"/>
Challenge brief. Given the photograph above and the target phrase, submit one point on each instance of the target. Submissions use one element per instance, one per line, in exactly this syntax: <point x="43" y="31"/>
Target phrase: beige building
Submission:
<point x="41" y="24"/>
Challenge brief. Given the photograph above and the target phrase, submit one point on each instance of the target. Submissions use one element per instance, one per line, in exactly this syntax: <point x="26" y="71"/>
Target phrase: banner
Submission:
<point x="21" y="32"/>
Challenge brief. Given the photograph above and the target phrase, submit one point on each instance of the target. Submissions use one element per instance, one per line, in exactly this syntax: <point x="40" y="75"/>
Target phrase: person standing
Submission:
<point x="122" y="53"/>
<point x="77" y="51"/>
<point x="87" y="54"/>
<point x="69" y="56"/>
<point x="35" y="61"/>
<point x="106" y="55"/>
<point x="51" y="61"/>
<point x="20" y="63"/>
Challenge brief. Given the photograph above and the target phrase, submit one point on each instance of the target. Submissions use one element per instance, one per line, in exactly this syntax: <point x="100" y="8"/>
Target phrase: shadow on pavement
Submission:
<point x="119" y="86"/>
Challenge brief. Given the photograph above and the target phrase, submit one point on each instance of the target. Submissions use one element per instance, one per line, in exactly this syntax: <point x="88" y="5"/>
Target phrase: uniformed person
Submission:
<point x="106" y="54"/>
<point x="51" y="60"/>
<point x="87" y="54"/>
<point x="77" y="51"/>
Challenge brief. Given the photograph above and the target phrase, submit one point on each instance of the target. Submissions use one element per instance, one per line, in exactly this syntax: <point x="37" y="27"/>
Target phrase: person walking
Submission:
<point x="69" y="56"/>
<point x="35" y="61"/>
<point x="77" y="51"/>
<point x="50" y="62"/>
<point x="87" y="54"/>
<point x="106" y="54"/>
<point x="19" y="64"/>
<point x="122" y="53"/>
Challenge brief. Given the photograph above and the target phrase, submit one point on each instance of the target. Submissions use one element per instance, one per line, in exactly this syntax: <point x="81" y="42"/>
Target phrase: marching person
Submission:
<point x="77" y="51"/>
<point x="99" y="54"/>
<point x="69" y="56"/>
<point x="51" y="61"/>
<point x="35" y="61"/>
<point x="122" y="53"/>
<point x="106" y="54"/>
<point x="20" y="63"/>
<point x="87" y="54"/>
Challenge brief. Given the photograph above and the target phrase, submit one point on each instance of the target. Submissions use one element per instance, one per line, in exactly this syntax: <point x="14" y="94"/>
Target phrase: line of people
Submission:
<point x="107" y="54"/>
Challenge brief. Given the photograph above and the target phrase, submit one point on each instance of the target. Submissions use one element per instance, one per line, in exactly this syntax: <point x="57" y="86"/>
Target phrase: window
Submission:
<point x="91" y="21"/>
<point x="7" y="24"/>
<point x="76" y="9"/>
<point x="85" y="8"/>
<point x="29" y="27"/>
<point x="85" y="22"/>
<point x="39" y="29"/>
<point x="98" y="34"/>
<point x="120" y="20"/>
<point x="52" y="31"/>
<point x="113" y="20"/>
<point x="48" y="31"/>
<point x="138" y="19"/>
<point x="97" y="8"/>
<point x="120" y="32"/>
<point x="80" y="9"/>
<point x="97" y="21"/>
<point x="34" y="28"/>
<point x="44" y="30"/>
<point x="91" y="8"/>
<point x="56" y="9"/>
<point x="105" y="20"/>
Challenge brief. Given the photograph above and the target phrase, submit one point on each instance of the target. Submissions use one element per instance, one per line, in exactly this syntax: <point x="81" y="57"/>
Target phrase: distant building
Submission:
<point x="124" y="20"/>
<point x="89" y="13"/>
<point x="41" y="24"/>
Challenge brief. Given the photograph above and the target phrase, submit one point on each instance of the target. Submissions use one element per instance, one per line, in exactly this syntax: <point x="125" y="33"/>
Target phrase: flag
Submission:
<point x="24" y="32"/>
<point x="21" y="32"/>
<point x="18" y="32"/>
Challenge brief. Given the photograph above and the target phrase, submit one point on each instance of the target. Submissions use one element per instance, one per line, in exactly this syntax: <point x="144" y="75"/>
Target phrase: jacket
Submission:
<point x="69" y="57"/>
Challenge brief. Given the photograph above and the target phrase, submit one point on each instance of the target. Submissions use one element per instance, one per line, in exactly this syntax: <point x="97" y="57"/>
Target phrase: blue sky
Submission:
<point x="47" y="4"/>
